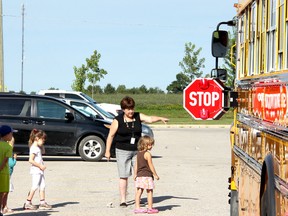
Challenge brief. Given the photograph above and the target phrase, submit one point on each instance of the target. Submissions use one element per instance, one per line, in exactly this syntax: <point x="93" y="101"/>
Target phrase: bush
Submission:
<point x="167" y="105"/>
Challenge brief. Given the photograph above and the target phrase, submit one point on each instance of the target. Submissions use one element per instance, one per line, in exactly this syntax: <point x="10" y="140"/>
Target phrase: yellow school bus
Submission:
<point x="259" y="135"/>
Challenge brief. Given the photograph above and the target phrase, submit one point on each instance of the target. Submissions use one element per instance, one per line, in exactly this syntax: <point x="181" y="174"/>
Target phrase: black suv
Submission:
<point x="69" y="132"/>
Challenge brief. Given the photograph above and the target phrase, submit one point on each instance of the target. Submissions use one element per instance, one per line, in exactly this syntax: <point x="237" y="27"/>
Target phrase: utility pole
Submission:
<point x="1" y="51"/>
<point x="22" y="60"/>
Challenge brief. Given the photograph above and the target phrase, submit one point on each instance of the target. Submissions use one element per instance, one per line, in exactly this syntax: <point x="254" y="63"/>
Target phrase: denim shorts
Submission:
<point x="125" y="162"/>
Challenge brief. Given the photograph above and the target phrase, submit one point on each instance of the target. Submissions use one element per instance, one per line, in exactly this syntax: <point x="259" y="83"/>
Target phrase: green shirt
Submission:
<point x="5" y="152"/>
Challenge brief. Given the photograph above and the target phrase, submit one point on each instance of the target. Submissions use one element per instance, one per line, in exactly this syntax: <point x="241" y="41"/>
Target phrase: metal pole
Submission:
<point x="1" y="51"/>
<point x="22" y="62"/>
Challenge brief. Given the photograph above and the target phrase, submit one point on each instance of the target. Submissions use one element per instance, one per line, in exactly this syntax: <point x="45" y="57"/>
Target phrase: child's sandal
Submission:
<point x="140" y="211"/>
<point x="152" y="211"/>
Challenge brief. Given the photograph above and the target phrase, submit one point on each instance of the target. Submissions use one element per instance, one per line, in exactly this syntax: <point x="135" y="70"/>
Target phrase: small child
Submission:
<point x="11" y="162"/>
<point x="36" y="144"/>
<point x="6" y="133"/>
<point x="144" y="175"/>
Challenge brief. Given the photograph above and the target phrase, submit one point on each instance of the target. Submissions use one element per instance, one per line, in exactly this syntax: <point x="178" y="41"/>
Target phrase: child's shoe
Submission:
<point x="152" y="211"/>
<point x="45" y="206"/>
<point x="7" y="210"/>
<point x="140" y="211"/>
<point x="29" y="206"/>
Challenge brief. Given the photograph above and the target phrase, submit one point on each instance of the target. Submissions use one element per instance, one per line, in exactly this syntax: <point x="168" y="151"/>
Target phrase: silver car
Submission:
<point x="93" y="110"/>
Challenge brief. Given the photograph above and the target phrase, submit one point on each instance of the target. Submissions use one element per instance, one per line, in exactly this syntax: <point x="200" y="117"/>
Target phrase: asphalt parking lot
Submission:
<point x="193" y="165"/>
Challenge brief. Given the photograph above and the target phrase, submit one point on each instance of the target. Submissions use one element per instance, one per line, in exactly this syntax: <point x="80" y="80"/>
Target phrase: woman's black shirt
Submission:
<point x="127" y="130"/>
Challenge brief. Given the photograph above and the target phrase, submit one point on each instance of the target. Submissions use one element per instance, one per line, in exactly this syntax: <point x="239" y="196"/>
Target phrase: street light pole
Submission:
<point x="1" y="51"/>
<point x="22" y="62"/>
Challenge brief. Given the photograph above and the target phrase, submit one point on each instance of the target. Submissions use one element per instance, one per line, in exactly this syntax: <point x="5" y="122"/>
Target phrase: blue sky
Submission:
<point x="140" y="42"/>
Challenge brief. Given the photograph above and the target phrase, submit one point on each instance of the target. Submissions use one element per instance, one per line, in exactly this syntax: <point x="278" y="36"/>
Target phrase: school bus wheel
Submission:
<point x="267" y="188"/>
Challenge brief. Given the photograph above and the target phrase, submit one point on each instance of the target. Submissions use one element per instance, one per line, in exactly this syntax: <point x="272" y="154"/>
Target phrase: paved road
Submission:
<point x="193" y="165"/>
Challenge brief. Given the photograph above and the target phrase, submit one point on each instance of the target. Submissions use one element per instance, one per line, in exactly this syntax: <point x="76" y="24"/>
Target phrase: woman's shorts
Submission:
<point x="144" y="183"/>
<point x="125" y="162"/>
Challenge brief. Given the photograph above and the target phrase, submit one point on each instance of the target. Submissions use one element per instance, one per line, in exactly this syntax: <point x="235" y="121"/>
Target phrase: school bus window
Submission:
<point x="263" y="35"/>
<point x="263" y="21"/>
<point x="286" y="11"/>
<point x="281" y="24"/>
<point x="242" y="64"/>
<point x="281" y="34"/>
<point x="273" y="14"/>
<point x="241" y="30"/>
<point x="270" y="58"/>
<point x="286" y="40"/>
<point x="252" y="40"/>
<point x="246" y="30"/>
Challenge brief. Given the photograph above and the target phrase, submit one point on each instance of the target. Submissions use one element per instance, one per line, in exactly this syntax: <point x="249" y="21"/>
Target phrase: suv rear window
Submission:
<point x="14" y="107"/>
<point x="73" y="96"/>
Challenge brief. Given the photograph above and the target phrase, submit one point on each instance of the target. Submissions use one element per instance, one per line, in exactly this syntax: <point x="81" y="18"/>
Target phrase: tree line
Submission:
<point x="190" y="68"/>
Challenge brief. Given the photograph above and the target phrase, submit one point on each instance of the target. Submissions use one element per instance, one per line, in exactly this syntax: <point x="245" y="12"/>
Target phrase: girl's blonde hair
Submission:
<point x="36" y="134"/>
<point x="144" y="142"/>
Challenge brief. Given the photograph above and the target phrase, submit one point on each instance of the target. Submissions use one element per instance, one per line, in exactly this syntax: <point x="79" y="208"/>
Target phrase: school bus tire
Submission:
<point x="267" y="188"/>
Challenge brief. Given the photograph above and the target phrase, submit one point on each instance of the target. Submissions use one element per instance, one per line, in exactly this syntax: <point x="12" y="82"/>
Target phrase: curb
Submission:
<point x="189" y="126"/>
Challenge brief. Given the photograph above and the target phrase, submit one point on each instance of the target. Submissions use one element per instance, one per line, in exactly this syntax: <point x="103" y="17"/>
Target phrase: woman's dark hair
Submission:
<point x="127" y="103"/>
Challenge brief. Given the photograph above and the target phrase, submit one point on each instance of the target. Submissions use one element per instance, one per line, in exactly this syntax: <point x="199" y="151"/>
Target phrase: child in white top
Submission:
<point x="36" y="144"/>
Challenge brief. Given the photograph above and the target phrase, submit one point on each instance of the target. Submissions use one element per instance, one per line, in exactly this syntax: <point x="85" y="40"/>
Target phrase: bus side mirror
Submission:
<point x="220" y="74"/>
<point x="219" y="43"/>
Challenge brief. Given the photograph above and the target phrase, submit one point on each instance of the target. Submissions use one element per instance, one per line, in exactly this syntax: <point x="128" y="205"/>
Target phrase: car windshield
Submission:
<point x="88" y="98"/>
<point x="91" y="109"/>
<point x="88" y="114"/>
<point x="106" y="114"/>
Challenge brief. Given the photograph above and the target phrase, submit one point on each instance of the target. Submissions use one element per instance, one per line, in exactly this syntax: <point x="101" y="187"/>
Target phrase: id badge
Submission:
<point x="132" y="141"/>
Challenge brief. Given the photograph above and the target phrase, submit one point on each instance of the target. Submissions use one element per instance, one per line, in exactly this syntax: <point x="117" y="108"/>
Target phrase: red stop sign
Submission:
<point x="203" y="98"/>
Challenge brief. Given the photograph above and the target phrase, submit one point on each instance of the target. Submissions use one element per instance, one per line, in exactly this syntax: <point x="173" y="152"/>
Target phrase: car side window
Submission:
<point x="15" y="107"/>
<point x="50" y="109"/>
<point x="53" y="95"/>
<point x="73" y="96"/>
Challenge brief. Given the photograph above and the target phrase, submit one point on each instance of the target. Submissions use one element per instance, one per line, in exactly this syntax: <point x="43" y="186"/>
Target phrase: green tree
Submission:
<point x="179" y="84"/>
<point x="155" y="91"/>
<point x="96" y="89"/>
<point x="90" y="71"/>
<point x="109" y="89"/>
<point x="133" y="90"/>
<point x="143" y="89"/>
<point x="94" y="73"/>
<point x="80" y="75"/>
<point x="191" y="63"/>
<point x="191" y="66"/>
<point x="121" y="89"/>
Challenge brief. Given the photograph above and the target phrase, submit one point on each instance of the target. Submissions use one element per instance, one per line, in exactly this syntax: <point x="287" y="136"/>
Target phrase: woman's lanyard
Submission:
<point x="132" y="140"/>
